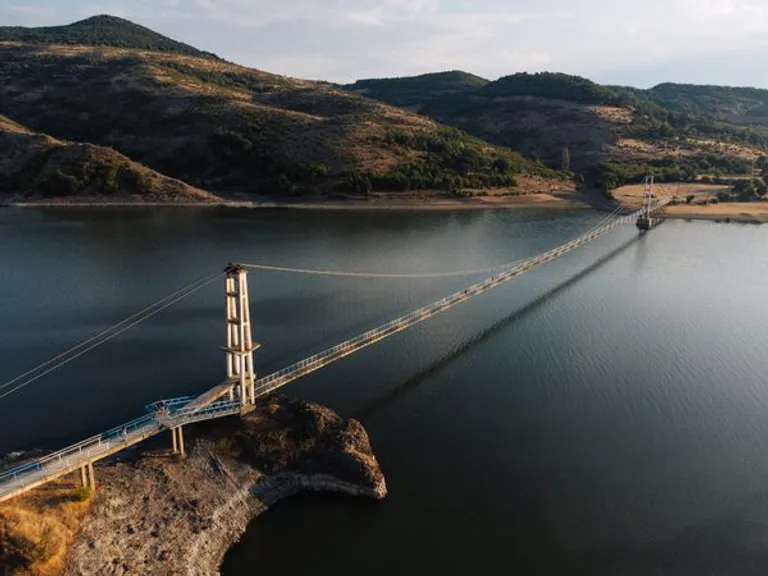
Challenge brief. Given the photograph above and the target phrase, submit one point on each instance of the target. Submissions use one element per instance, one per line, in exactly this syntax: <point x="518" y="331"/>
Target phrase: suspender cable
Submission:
<point x="106" y="335"/>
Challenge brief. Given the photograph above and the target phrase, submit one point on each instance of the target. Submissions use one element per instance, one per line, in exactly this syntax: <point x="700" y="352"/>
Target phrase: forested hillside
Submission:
<point x="225" y="127"/>
<point x="36" y="166"/>
<point x="608" y="134"/>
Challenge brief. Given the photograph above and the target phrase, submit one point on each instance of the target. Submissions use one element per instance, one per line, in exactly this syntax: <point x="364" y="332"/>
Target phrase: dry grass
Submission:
<point x="727" y="149"/>
<point x="632" y="195"/>
<point x="632" y="149"/>
<point x="650" y="149"/>
<point x="47" y="520"/>
<point x="8" y="125"/>
<point x="613" y="114"/>
<point x="752" y="211"/>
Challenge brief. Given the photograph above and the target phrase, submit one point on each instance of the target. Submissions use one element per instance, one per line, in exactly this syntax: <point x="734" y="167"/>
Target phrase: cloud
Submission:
<point x="29" y="15"/>
<point x="343" y="40"/>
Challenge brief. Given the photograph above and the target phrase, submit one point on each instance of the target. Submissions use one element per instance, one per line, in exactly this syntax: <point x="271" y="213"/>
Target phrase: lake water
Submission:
<point x="605" y="414"/>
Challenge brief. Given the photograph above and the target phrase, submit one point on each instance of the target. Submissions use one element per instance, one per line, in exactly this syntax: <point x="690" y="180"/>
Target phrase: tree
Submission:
<point x="359" y="182"/>
<point x="610" y="181"/>
<point x="566" y="163"/>
<point x="761" y="187"/>
<point x="501" y="165"/>
<point x="745" y="188"/>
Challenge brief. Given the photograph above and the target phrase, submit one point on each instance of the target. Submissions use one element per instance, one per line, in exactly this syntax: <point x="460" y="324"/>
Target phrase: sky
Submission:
<point x="630" y="42"/>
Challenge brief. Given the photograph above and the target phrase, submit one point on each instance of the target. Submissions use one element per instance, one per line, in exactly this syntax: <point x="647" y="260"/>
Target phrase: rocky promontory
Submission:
<point x="155" y="513"/>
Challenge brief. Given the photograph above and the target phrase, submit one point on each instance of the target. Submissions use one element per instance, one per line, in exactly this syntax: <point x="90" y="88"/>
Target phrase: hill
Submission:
<point x="35" y="166"/>
<point x="736" y="105"/>
<point x="230" y="128"/>
<point x="416" y="91"/>
<point x="611" y="134"/>
<point x="99" y="31"/>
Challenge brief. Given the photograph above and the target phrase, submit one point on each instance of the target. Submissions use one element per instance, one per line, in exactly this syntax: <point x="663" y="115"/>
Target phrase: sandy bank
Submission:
<point x="751" y="212"/>
<point x="414" y="201"/>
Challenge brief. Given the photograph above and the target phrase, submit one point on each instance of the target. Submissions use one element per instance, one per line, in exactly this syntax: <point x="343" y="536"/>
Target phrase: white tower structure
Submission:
<point x="240" y="345"/>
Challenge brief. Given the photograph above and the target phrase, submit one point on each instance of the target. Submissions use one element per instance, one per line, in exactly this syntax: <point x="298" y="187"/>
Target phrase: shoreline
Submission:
<point x="527" y="201"/>
<point x="733" y="213"/>
<point x="720" y="218"/>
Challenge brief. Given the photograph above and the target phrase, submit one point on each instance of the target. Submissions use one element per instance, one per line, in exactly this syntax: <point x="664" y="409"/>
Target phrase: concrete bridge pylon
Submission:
<point x="240" y="346"/>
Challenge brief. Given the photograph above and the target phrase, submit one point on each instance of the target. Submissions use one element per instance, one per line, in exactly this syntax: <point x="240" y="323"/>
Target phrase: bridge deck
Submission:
<point x="33" y="474"/>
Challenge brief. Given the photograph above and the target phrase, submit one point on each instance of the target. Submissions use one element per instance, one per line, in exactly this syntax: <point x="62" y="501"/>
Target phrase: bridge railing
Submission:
<point x="88" y="447"/>
<point x="171" y="404"/>
<point x="198" y="414"/>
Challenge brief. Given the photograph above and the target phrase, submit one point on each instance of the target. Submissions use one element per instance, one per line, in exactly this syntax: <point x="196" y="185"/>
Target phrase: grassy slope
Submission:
<point x="226" y="127"/>
<point x="701" y="128"/>
<point x="37" y="528"/>
<point x="38" y="166"/>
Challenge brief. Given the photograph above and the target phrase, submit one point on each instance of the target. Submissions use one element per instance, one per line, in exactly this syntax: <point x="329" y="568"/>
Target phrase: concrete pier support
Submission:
<point x="84" y="476"/>
<point x="91" y="477"/>
<point x="180" y="438"/>
<point x="174" y="441"/>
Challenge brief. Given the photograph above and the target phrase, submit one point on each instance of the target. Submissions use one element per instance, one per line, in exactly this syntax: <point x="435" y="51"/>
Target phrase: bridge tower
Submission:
<point x="240" y="345"/>
<point x="644" y="221"/>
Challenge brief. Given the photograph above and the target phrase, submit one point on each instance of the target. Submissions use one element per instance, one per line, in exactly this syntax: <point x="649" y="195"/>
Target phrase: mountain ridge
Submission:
<point x="100" y="30"/>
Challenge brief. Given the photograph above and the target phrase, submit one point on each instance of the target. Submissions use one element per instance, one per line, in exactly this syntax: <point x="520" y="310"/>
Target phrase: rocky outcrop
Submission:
<point x="166" y="515"/>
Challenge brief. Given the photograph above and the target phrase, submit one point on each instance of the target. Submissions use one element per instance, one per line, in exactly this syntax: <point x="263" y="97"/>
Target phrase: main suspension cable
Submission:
<point x="402" y="275"/>
<point x="406" y="275"/>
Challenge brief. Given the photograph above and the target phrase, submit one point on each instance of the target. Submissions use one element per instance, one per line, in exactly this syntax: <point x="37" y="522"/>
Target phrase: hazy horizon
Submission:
<point x="715" y="42"/>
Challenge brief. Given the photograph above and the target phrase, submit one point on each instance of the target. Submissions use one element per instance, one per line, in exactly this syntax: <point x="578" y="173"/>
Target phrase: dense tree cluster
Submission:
<point x="610" y="175"/>
<point x="448" y="164"/>
<point x="417" y="90"/>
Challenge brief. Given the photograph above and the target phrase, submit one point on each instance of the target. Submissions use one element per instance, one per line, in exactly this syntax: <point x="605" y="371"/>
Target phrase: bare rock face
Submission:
<point x="167" y="515"/>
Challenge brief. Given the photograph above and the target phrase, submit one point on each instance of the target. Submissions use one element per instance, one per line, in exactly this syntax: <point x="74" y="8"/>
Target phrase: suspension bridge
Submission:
<point x="239" y="392"/>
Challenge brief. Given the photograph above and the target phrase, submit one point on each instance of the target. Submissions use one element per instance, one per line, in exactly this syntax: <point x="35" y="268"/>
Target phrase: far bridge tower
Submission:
<point x="645" y="221"/>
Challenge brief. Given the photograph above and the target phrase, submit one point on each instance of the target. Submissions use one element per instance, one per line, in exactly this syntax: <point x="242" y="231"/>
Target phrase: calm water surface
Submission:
<point x="606" y="414"/>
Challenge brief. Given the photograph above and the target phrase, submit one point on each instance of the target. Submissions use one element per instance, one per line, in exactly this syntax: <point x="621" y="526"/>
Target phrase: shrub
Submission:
<point x="82" y="493"/>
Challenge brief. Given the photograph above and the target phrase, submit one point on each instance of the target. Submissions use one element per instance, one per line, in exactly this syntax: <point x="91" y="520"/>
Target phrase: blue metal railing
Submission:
<point x="87" y="447"/>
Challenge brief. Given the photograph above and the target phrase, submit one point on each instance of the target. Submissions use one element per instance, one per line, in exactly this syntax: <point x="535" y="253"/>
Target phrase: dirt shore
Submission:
<point x="307" y="203"/>
<point x="751" y="212"/>
<point x="700" y="207"/>
<point x="156" y="513"/>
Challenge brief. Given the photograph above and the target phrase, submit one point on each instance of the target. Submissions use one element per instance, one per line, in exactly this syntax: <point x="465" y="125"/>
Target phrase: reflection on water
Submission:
<point x="605" y="414"/>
